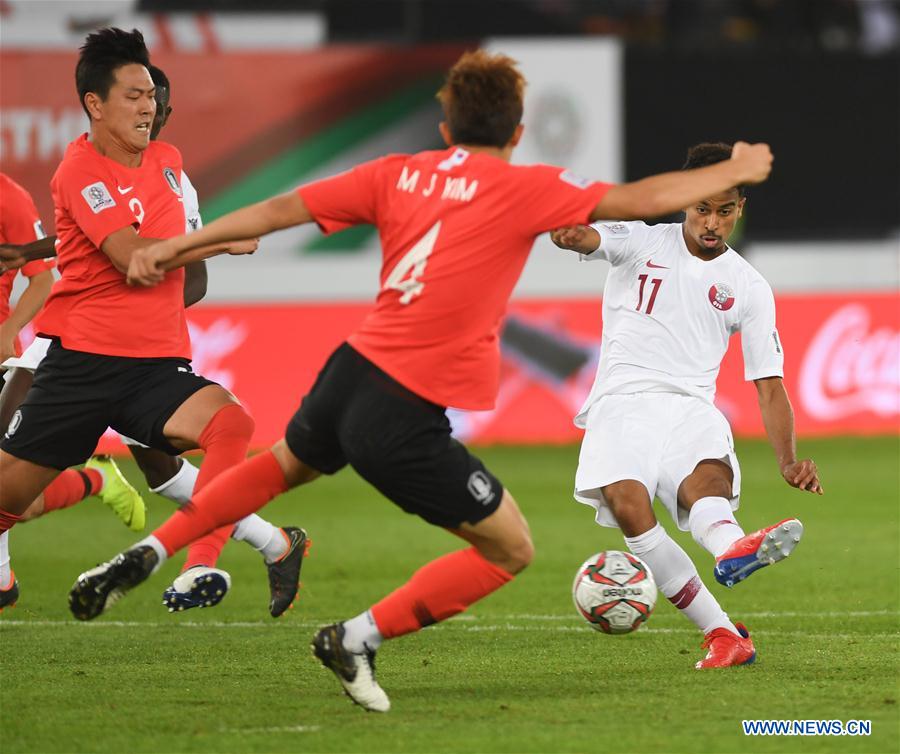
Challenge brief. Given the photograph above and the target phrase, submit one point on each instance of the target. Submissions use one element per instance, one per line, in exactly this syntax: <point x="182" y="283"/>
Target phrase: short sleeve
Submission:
<point x="618" y="241"/>
<point x="21" y="222"/>
<point x="347" y="199"/>
<point x="85" y="191"/>
<point x="192" y="220"/>
<point x="555" y="197"/>
<point x="38" y="266"/>
<point x="761" y="345"/>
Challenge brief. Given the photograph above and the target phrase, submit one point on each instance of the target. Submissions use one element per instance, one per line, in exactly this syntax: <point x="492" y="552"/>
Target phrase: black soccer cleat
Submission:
<point x="284" y="573"/>
<point x="100" y="588"/>
<point x="9" y="597"/>
<point x="356" y="672"/>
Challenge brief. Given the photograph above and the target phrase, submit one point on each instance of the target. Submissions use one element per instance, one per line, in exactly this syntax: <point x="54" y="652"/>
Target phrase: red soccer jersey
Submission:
<point x="19" y="224"/>
<point x="456" y="229"/>
<point x="91" y="308"/>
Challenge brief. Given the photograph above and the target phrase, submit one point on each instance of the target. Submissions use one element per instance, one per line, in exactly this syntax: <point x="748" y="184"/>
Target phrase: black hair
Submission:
<point x="159" y="77"/>
<point x="709" y="153"/>
<point x="102" y="53"/>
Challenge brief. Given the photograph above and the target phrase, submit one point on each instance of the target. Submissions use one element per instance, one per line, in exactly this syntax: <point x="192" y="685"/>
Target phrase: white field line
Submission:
<point x="276" y="729"/>
<point x="490" y="627"/>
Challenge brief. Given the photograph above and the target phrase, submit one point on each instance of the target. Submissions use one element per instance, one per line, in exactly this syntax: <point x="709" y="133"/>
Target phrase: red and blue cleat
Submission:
<point x="727" y="648"/>
<point x="754" y="551"/>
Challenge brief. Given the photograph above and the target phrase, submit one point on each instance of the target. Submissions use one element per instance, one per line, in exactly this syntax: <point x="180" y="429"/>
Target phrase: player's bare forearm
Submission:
<point x="670" y="192"/>
<point x="12" y="257"/>
<point x="277" y="213"/>
<point x="778" y="419"/>
<point x="29" y="304"/>
<point x="31" y="300"/>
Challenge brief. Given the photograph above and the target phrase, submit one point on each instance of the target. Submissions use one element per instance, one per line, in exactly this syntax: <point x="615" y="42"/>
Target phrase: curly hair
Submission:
<point x="101" y="54"/>
<point x="483" y="99"/>
<point x="709" y="153"/>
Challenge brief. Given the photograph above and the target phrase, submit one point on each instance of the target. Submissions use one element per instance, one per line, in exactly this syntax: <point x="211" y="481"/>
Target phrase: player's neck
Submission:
<point x="107" y="145"/>
<point x="501" y="153"/>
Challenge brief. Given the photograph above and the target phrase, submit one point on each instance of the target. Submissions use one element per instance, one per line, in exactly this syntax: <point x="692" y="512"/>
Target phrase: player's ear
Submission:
<point x="445" y="133"/>
<point x="740" y="206"/>
<point x="93" y="104"/>
<point x="517" y="135"/>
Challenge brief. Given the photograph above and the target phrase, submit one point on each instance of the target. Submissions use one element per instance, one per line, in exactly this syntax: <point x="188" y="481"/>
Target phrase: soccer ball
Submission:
<point x="614" y="592"/>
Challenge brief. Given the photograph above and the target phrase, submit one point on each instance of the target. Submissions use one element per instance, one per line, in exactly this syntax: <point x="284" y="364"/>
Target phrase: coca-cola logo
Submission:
<point x="850" y="368"/>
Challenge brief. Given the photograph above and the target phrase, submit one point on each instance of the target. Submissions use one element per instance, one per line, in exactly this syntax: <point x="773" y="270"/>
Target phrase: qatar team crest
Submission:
<point x="721" y="296"/>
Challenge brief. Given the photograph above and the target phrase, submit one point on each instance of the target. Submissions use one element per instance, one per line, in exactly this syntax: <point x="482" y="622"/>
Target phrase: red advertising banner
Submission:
<point x="842" y="365"/>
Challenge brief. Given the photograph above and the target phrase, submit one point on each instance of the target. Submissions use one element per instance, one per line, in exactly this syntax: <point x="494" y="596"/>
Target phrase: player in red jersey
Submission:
<point x="119" y="356"/>
<point x="456" y="227"/>
<point x="20" y="225"/>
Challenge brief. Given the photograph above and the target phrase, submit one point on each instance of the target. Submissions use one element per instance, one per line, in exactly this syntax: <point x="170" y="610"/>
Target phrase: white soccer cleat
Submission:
<point x="200" y="586"/>
<point x="356" y="672"/>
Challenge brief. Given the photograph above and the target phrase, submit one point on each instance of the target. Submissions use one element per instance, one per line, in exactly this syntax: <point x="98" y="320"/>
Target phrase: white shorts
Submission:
<point x="31" y="356"/>
<point x="34" y="355"/>
<point x="655" y="438"/>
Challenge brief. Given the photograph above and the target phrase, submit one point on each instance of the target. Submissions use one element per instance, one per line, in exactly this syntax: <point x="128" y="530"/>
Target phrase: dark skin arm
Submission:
<point x="778" y="418"/>
<point x="196" y="279"/>
<point x="12" y="256"/>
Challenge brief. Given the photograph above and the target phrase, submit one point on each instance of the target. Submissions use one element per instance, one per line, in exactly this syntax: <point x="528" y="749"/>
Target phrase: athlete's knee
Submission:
<point x="520" y="554"/>
<point x="232" y="422"/>
<point x="296" y="472"/>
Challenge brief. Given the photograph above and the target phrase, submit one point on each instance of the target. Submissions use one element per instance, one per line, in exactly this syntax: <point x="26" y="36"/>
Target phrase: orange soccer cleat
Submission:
<point x="727" y="648"/>
<point x="757" y="550"/>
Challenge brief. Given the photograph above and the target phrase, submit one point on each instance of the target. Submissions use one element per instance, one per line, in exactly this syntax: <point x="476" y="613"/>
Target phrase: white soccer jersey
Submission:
<point x="191" y="202"/>
<point x="668" y="316"/>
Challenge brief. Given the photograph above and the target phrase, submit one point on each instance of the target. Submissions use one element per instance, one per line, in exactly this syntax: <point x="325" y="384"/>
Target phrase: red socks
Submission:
<point x="232" y="495"/>
<point x="70" y="487"/>
<point x="8" y="520"/>
<point x="437" y="591"/>
<point x="225" y="440"/>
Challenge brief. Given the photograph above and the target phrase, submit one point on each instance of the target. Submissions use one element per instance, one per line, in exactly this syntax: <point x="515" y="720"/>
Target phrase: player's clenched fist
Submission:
<point x="144" y="269"/>
<point x="754" y="160"/>
<point x="581" y="238"/>
<point x="803" y="475"/>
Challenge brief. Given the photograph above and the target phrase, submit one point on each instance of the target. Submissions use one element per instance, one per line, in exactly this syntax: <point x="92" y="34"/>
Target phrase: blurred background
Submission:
<point x="269" y="94"/>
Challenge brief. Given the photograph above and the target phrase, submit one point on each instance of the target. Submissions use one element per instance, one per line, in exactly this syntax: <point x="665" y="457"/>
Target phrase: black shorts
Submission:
<point x="395" y="440"/>
<point x="76" y="396"/>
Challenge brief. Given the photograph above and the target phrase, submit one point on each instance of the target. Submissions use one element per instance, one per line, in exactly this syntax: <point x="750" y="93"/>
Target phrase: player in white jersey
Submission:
<point x="673" y="298"/>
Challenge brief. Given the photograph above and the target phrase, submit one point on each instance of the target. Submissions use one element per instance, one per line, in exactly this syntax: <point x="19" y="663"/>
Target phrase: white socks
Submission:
<point x="362" y="632"/>
<point x="678" y="580"/>
<point x="158" y="548"/>
<point x="5" y="570"/>
<point x="713" y="525"/>
<point x="253" y="530"/>
<point x="180" y="487"/>
<point x="262" y="536"/>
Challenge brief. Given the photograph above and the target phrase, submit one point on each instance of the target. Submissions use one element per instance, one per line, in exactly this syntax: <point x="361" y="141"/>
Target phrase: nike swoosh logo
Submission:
<point x="125" y="190"/>
<point x="649" y="264"/>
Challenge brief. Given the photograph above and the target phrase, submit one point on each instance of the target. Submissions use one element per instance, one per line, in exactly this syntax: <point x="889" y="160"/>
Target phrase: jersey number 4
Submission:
<point x="405" y="275"/>
<point x="655" y="282"/>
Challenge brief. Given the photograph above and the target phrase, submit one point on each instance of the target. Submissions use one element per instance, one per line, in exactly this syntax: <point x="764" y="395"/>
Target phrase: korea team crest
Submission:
<point x="172" y="180"/>
<point x="721" y="296"/>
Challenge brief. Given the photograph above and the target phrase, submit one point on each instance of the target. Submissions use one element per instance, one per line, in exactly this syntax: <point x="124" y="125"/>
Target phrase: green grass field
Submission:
<point x="519" y="672"/>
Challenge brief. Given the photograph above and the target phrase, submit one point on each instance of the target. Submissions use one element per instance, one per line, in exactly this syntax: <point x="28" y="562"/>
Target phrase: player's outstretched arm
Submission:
<point x="254" y="221"/>
<point x="581" y="238"/>
<point x="778" y="418"/>
<point x="671" y="192"/>
<point x="14" y="256"/>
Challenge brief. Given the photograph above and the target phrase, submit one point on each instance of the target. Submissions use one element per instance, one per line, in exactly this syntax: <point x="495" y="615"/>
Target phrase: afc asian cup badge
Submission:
<point x="721" y="296"/>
